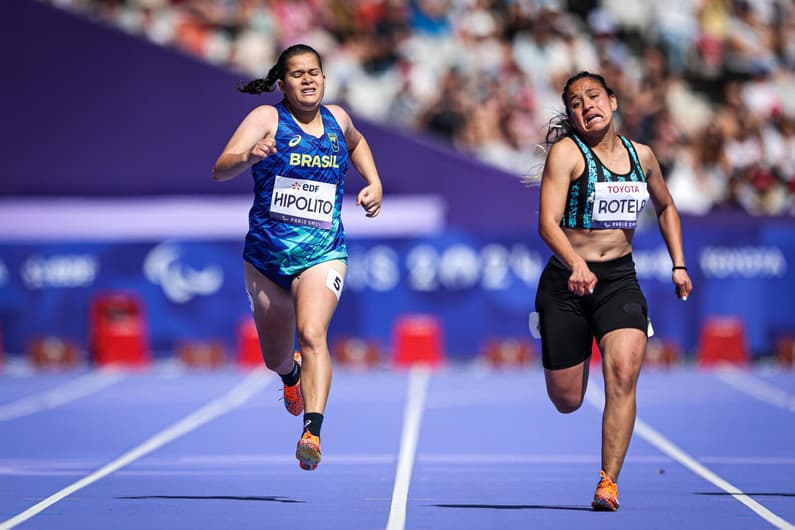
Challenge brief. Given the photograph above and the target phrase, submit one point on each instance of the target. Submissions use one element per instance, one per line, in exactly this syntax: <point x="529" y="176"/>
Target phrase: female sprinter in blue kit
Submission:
<point x="295" y="253"/>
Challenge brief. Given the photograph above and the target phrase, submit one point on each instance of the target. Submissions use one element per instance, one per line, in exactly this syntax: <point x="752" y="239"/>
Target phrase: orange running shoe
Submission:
<point x="606" y="497"/>
<point x="293" y="398"/>
<point x="308" y="451"/>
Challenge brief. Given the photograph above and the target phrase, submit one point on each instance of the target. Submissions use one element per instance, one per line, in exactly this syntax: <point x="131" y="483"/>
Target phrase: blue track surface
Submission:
<point x="461" y="447"/>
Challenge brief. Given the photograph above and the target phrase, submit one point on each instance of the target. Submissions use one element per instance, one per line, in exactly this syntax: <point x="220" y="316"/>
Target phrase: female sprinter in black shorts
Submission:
<point x="594" y="186"/>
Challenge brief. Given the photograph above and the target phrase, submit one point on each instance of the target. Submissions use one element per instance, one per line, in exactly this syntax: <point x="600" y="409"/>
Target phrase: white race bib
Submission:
<point x="618" y="204"/>
<point x="303" y="202"/>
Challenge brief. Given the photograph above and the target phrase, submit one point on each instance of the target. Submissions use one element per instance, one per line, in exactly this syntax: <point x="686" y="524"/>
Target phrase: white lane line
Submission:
<point x="662" y="443"/>
<point x="71" y="391"/>
<point x="756" y="388"/>
<point x="412" y="417"/>
<point x="238" y="395"/>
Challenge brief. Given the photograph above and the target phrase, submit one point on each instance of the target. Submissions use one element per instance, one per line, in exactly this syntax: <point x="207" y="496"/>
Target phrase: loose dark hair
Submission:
<point x="559" y="125"/>
<point x="278" y="70"/>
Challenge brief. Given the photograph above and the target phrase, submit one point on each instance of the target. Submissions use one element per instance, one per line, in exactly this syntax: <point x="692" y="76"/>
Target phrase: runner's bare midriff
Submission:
<point x="600" y="245"/>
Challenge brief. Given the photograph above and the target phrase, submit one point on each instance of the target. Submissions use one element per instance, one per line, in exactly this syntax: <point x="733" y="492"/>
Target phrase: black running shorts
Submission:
<point x="569" y="323"/>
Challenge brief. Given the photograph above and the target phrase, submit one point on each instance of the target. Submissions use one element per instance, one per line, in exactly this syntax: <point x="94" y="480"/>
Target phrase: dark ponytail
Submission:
<point x="558" y="128"/>
<point x="278" y="70"/>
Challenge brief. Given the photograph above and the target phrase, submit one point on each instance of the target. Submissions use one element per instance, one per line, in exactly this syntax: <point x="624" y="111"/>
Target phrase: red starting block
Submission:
<point x="418" y="340"/>
<point x="508" y="352"/>
<point x="356" y="353"/>
<point x="53" y="353"/>
<point x="118" y="332"/>
<point x="201" y="355"/>
<point x="785" y="351"/>
<point x="661" y="352"/>
<point x="722" y="340"/>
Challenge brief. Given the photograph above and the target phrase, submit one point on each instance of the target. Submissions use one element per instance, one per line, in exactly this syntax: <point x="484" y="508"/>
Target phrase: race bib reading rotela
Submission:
<point x="618" y="204"/>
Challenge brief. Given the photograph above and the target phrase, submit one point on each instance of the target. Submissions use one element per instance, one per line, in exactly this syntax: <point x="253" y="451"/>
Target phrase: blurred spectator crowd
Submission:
<point x="709" y="84"/>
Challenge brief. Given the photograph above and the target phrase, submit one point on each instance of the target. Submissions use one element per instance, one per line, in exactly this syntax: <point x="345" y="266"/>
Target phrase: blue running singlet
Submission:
<point x="294" y="222"/>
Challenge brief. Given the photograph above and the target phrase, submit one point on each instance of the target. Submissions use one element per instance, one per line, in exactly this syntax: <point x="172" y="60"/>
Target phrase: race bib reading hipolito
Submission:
<point x="303" y="202"/>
